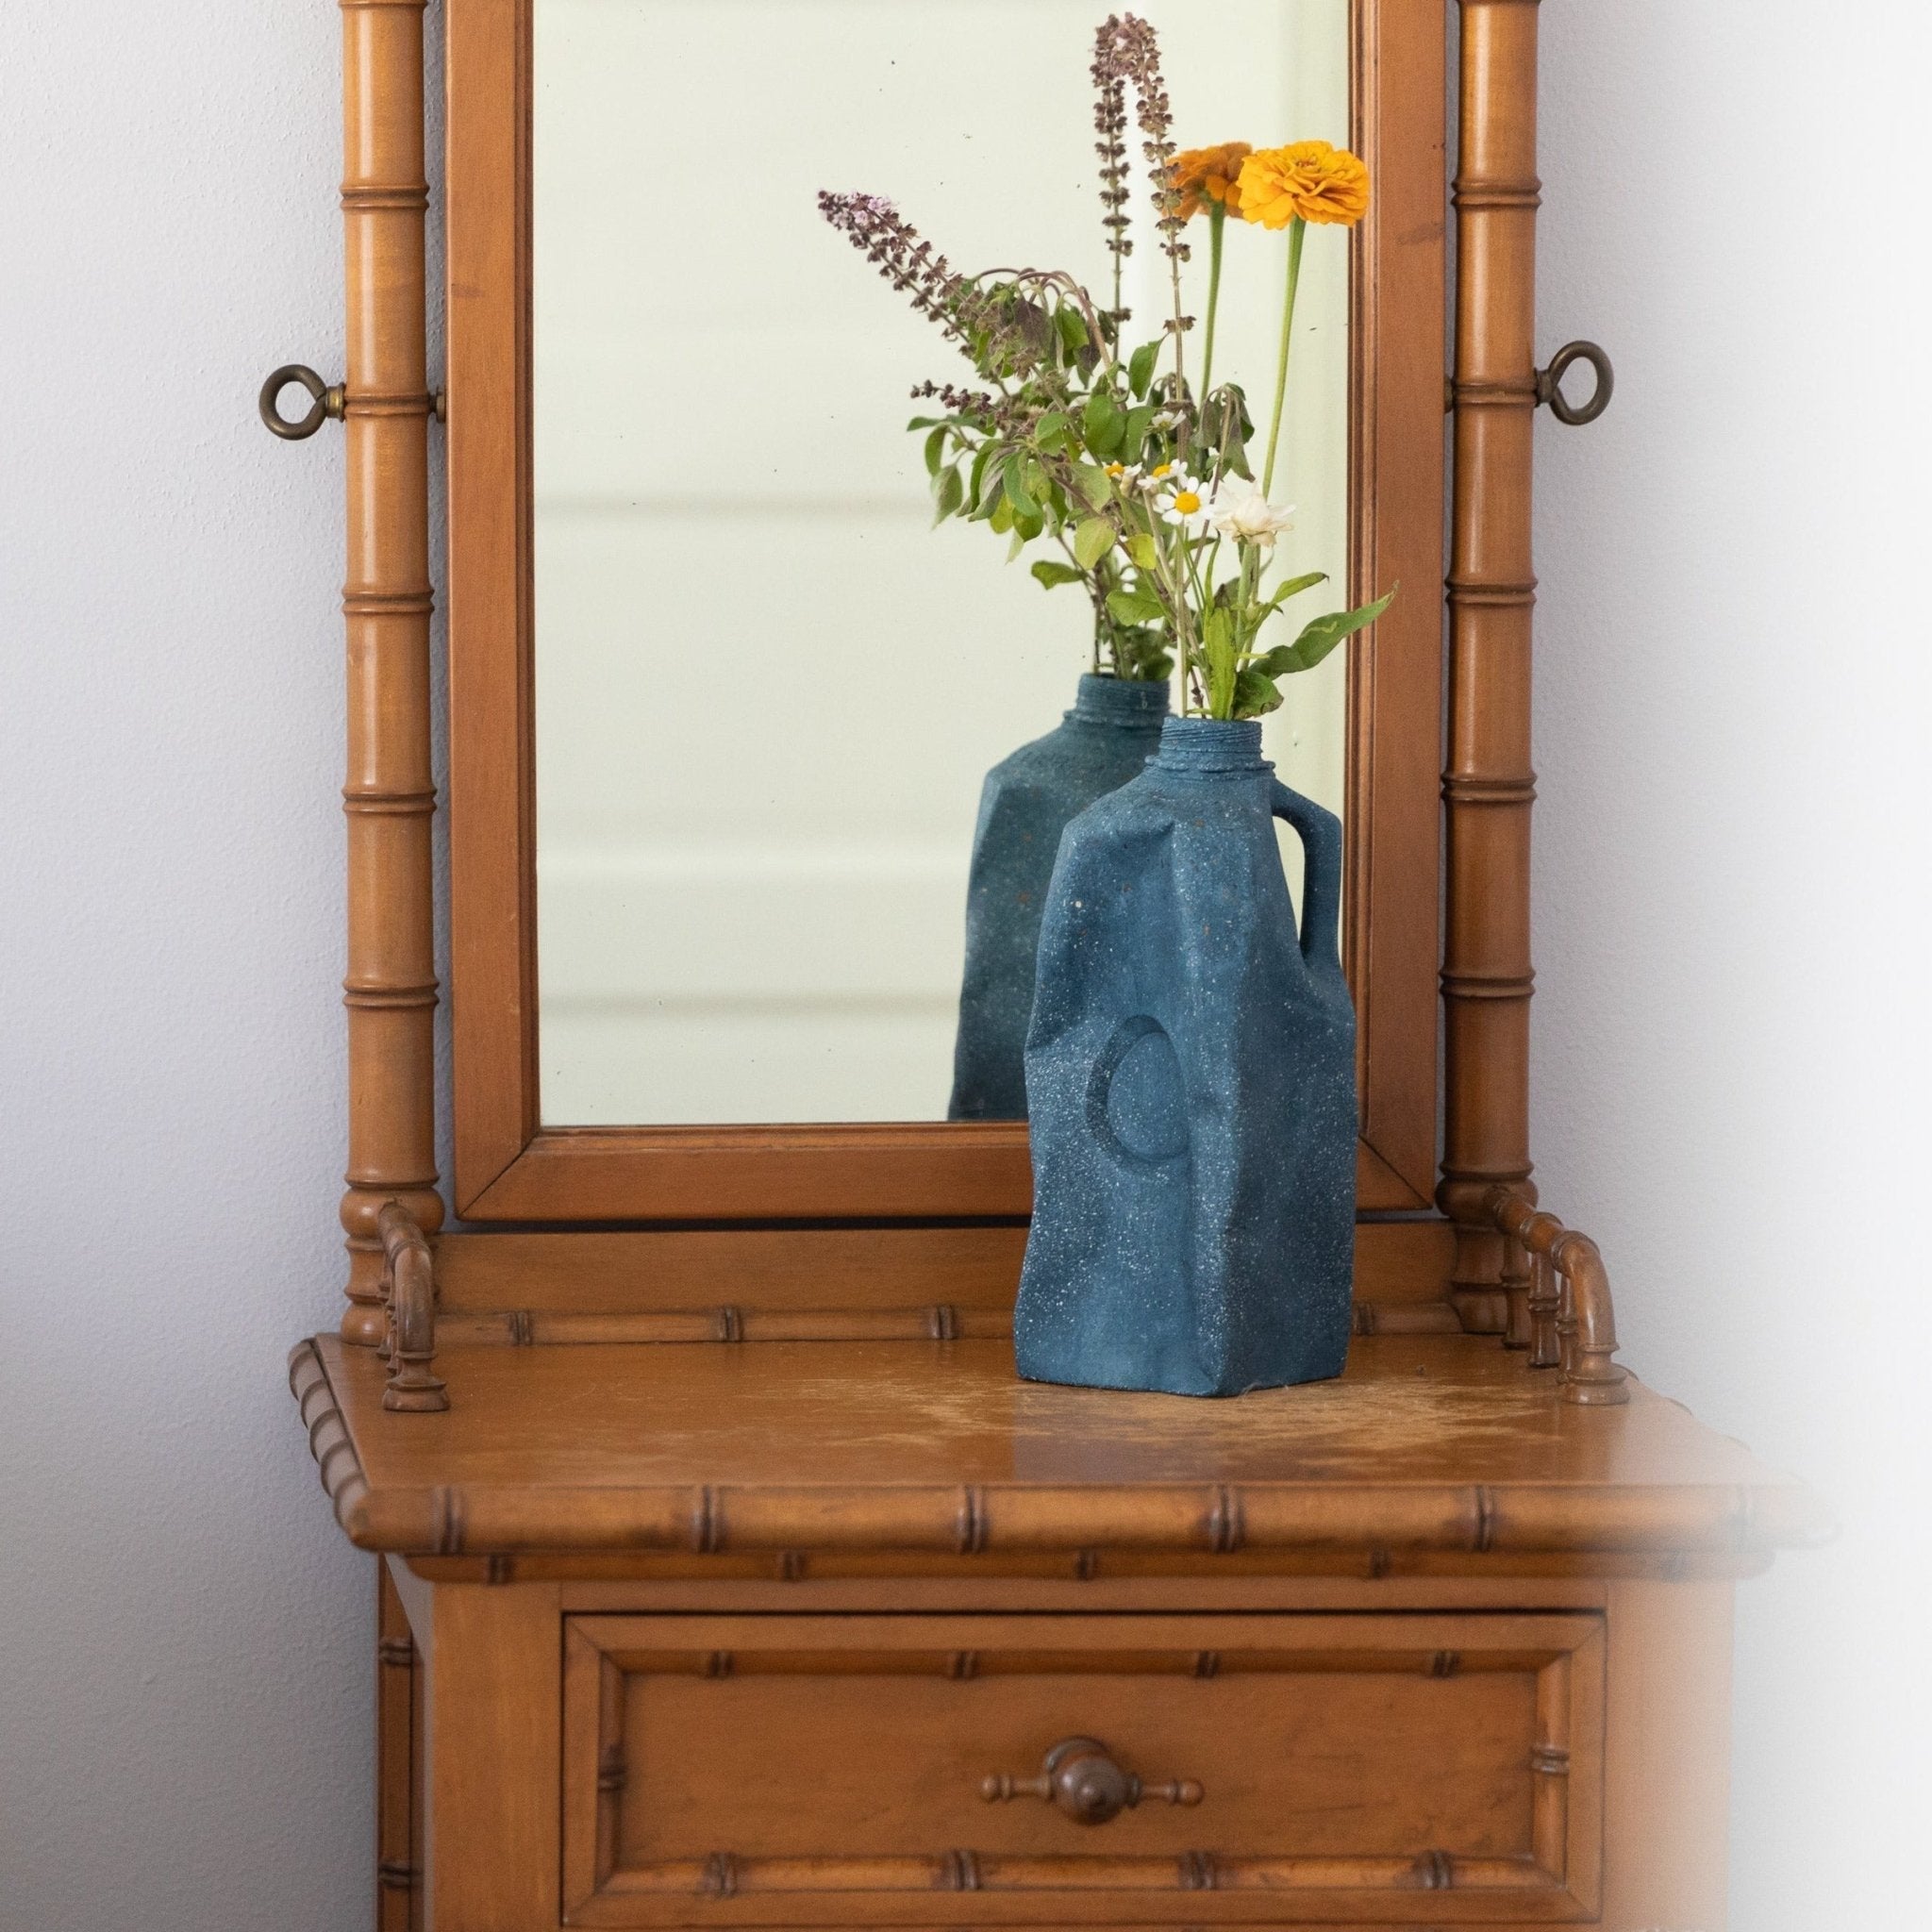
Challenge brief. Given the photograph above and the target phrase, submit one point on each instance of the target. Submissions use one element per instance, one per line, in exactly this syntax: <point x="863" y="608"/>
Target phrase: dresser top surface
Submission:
<point x="1433" y="1438"/>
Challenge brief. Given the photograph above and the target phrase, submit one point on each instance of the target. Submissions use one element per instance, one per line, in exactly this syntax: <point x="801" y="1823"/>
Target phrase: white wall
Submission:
<point x="1731" y="1064"/>
<point x="184" y="1658"/>
<point x="1730" y="1052"/>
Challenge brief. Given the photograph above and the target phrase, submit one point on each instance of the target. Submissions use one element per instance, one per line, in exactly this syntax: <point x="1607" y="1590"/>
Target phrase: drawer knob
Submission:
<point x="1081" y="1777"/>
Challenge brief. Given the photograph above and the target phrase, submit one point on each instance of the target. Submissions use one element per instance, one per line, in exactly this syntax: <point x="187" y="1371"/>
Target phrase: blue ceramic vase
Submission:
<point x="1191" y="1074"/>
<point x="1112" y="732"/>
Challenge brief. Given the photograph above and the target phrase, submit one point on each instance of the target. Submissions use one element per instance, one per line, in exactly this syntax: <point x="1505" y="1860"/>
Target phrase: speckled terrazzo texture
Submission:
<point x="1191" y="1069"/>
<point x="1108" y="736"/>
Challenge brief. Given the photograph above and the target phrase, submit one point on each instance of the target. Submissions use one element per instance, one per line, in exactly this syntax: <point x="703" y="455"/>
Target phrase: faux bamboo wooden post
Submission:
<point x="398" y="1729"/>
<point x="391" y="986"/>
<point x="1489" y="786"/>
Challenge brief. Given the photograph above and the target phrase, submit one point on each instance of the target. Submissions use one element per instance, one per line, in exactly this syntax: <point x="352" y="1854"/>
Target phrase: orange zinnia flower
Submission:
<point x="1307" y="179"/>
<point x="1200" y="175"/>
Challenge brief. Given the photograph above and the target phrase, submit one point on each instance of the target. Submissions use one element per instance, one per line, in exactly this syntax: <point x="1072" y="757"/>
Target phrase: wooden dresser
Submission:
<point x="772" y="1612"/>
<point x="729" y="1575"/>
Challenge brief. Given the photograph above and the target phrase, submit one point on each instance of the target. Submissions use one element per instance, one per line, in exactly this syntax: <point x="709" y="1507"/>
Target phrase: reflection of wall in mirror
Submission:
<point x="766" y="694"/>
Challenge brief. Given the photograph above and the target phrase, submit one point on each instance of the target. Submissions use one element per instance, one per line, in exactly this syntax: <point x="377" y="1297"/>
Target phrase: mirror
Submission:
<point x="767" y="693"/>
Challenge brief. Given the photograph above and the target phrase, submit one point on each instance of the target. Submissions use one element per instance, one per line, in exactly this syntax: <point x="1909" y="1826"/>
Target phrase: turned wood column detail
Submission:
<point x="389" y="797"/>
<point x="1487" y="786"/>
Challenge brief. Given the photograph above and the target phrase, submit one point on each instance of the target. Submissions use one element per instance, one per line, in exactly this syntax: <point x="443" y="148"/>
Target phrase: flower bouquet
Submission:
<point x="1134" y="471"/>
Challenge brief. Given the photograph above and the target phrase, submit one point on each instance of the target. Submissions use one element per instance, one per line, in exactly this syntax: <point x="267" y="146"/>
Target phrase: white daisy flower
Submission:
<point x="1167" y="419"/>
<point x="1124" y="475"/>
<point x="1242" y="512"/>
<point x="1180" y="502"/>
<point x="1160" y="475"/>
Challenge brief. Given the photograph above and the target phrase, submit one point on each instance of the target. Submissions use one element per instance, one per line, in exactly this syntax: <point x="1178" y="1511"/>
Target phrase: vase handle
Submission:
<point x="1320" y="832"/>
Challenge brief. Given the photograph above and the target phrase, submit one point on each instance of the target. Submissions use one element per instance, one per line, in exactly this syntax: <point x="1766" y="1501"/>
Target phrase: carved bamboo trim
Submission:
<point x="1487" y="786"/>
<point x="1338" y="1520"/>
<point x="398" y="1738"/>
<point x="942" y="1322"/>
<point x="390" y="988"/>
<point x="1585" y="1319"/>
<point x="329" y="1442"/>
<point x="1315" y="1519"/>
<point x="724" y="1875"/>
<point x="409" y="1297"/>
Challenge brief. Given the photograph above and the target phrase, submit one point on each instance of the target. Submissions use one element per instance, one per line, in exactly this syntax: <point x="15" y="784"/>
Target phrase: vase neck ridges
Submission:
<point x="1120" y="701"/>
<point x="1211" y="745"/>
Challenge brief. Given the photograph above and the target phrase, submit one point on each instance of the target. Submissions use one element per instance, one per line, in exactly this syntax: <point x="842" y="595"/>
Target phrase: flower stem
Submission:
<point x="1177" y="605"/>
<point x="1298" y="228"/>
<point x="1217" y="221"/>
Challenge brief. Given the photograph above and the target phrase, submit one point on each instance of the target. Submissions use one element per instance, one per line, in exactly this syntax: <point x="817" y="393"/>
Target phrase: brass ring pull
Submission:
<point x="1549" y="384"/>
<point x="1080" y="1777"/>
<point x="325" y="400"/>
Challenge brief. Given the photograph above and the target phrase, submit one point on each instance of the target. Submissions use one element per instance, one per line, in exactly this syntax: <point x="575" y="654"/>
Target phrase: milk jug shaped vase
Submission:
<point x="1191" y="1077"/>
<point x="1112" y="732"/>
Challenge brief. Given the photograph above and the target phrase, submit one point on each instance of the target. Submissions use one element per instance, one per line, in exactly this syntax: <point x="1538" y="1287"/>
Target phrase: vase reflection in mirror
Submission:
<point x="1190" y="1068"/>
<point x="1105" y="739"/>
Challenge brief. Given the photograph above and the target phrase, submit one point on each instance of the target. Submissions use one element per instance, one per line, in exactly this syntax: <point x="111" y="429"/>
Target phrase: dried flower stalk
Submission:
<point x="1127" y="49"/>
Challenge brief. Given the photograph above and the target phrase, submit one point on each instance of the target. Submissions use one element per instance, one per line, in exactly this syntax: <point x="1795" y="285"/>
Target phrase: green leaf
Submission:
<point x="1142" y="653"/>
<point x="951" y="494"/>
<point x="1219" y="658"/>
<point x="1294" y="588"/>
<point x="1136" y="606"/>
<point x="1225" y="428"/>
<point x="1255" y="695"/>
<point x="1035" y="478"/>
<point x="1225" y="417"/>
<point x="1072" y="331"/>
<point x="1029" y="527"/>
<point x="1051" y="434"/>
<point x="1092" y="539"/>
<point x="1133" y="435"/>
<point x="935" y="450"/>
<point x="1322" y="634"/>
<point x="1001" y="521"/>
<point x="1018" y="545"/>
<point x="1023" y="504"/>
<point x="975" y="490"/>
<point x="1050" y="573"/>
<point x="927" y="422"/>
<point x="1094" y="485"/>
<point x="1102" y="424"/>
<point x="1144" y="550"/>
<point x="1141" y="368"/>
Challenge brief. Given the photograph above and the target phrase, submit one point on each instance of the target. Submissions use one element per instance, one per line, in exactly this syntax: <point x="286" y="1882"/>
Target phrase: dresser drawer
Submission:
<point x="895" y="1770"/>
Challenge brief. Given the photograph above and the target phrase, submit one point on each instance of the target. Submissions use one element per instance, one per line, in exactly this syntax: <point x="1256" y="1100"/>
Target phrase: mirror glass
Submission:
<point x="767" y="691"/>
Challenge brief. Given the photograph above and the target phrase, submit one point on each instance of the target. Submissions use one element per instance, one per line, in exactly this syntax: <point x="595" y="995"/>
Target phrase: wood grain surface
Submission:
<point x="1489" y="787"/>
<point x="832" y="1770"/>
<point x="1428" y="1442"/>
<point x="774" y="1270"/>
<point x="389" y="791"/>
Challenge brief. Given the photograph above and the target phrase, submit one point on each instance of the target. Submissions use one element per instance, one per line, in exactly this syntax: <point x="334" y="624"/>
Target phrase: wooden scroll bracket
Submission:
<point x="408" y="1300"/>
<point x="1559" y="1307"/>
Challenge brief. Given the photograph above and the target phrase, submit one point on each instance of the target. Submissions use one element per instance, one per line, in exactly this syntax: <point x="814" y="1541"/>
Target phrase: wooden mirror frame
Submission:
<point x="1399" y="931"/>
<point x="511" y="1166"/>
